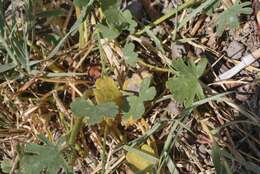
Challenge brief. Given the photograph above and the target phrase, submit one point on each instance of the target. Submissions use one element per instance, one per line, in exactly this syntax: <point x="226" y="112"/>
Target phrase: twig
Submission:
<point x="245" y="61"/>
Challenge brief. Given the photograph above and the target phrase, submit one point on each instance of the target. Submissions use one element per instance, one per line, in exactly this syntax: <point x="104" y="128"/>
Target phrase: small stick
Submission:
<point x="245" y="61"/>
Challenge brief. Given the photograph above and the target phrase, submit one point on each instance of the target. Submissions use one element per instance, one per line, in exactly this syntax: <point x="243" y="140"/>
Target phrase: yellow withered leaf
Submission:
<point x="107" y="91"/>
<point x="142" y="159"/>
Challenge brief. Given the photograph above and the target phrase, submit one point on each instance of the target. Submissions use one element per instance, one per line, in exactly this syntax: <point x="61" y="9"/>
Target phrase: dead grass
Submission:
<point x="223" y="127"/>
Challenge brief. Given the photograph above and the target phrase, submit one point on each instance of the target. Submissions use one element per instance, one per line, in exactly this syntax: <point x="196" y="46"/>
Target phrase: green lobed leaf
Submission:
<point x="147" y="93"/>
<point x="38" y="158"/>
<point x="116" y="20"/>
<point x="200" y="68"/>
<point x="6" y="165"/>
<point x="131" y="56"/>
<point x="106" y="32"/>
<point x="136" y="103"/>
<point x="136" y="108"/>
<point x="102" y="110"/>
<point x="80" y="107"/>
<point x="185" y="86"/>
<point x="112" y="12"/>
<point x="129" y="19"/>
<point x="229" y="18"/>
<point x="95" y="113"/>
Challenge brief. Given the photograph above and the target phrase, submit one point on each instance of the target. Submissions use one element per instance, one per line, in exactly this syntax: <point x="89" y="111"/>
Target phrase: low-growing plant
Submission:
<point x="48" y="158"/>
<point x="116" y="20"/>
<point x="229" y="18"/>
<point x="110" y="101"/>
<point x="185" y="86"/>
<point x="131" y="57"/>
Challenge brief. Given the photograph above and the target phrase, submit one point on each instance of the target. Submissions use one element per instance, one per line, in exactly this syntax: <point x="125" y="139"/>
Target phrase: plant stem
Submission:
<point x="73" y="136"/>
<point x="104" y="150"/>
<point x="82" y="29"/>
<point x="154" y="67"/>
<point x="75" y="130"/>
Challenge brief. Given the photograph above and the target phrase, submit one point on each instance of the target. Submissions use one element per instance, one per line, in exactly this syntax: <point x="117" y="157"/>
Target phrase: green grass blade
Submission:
<point x="171" y="166"/>
<point x="84" y="13"/>
<point x="7" y="67"/>
<point x="2" y="21"/>
<point x="194" y="12"/>
<point x="158" y="126"/>
<point x="216" y="157"/>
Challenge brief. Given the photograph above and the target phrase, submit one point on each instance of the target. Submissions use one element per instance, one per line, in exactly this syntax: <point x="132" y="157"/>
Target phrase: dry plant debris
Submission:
<point x="129" y="86"/>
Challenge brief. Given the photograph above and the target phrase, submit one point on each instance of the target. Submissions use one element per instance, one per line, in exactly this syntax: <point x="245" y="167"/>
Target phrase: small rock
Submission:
<point x="198" y="52"/>
<point x="173" y="108"/>
<point x="178" y="51"/>
<point x="235" y="50"/>
<point x="202" y="149"/>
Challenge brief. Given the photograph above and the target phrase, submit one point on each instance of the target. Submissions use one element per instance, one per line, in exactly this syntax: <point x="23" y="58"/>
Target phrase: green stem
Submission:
<point x="75" y="130"/>
<point x="168" y="15"/>
<point x="73" y="136"/>
<point x="165" y="70"/>
<point x="8" y="50"/>
<point x="104" y="150"/>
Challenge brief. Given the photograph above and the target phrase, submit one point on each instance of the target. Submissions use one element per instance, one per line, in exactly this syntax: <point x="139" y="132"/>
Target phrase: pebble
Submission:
<point x="203" y="149"/>
<point x="235" y="50"/>
<point x="173" y="108"/>
<point x="178" y="51"/>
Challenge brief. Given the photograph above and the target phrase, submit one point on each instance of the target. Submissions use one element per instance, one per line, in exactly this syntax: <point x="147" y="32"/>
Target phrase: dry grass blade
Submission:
<point x="111" y="86"/>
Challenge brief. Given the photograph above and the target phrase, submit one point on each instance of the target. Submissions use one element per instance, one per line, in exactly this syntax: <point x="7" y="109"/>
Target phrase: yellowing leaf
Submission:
<point x="141" y="159"/>
<point x="107" y="91"/>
